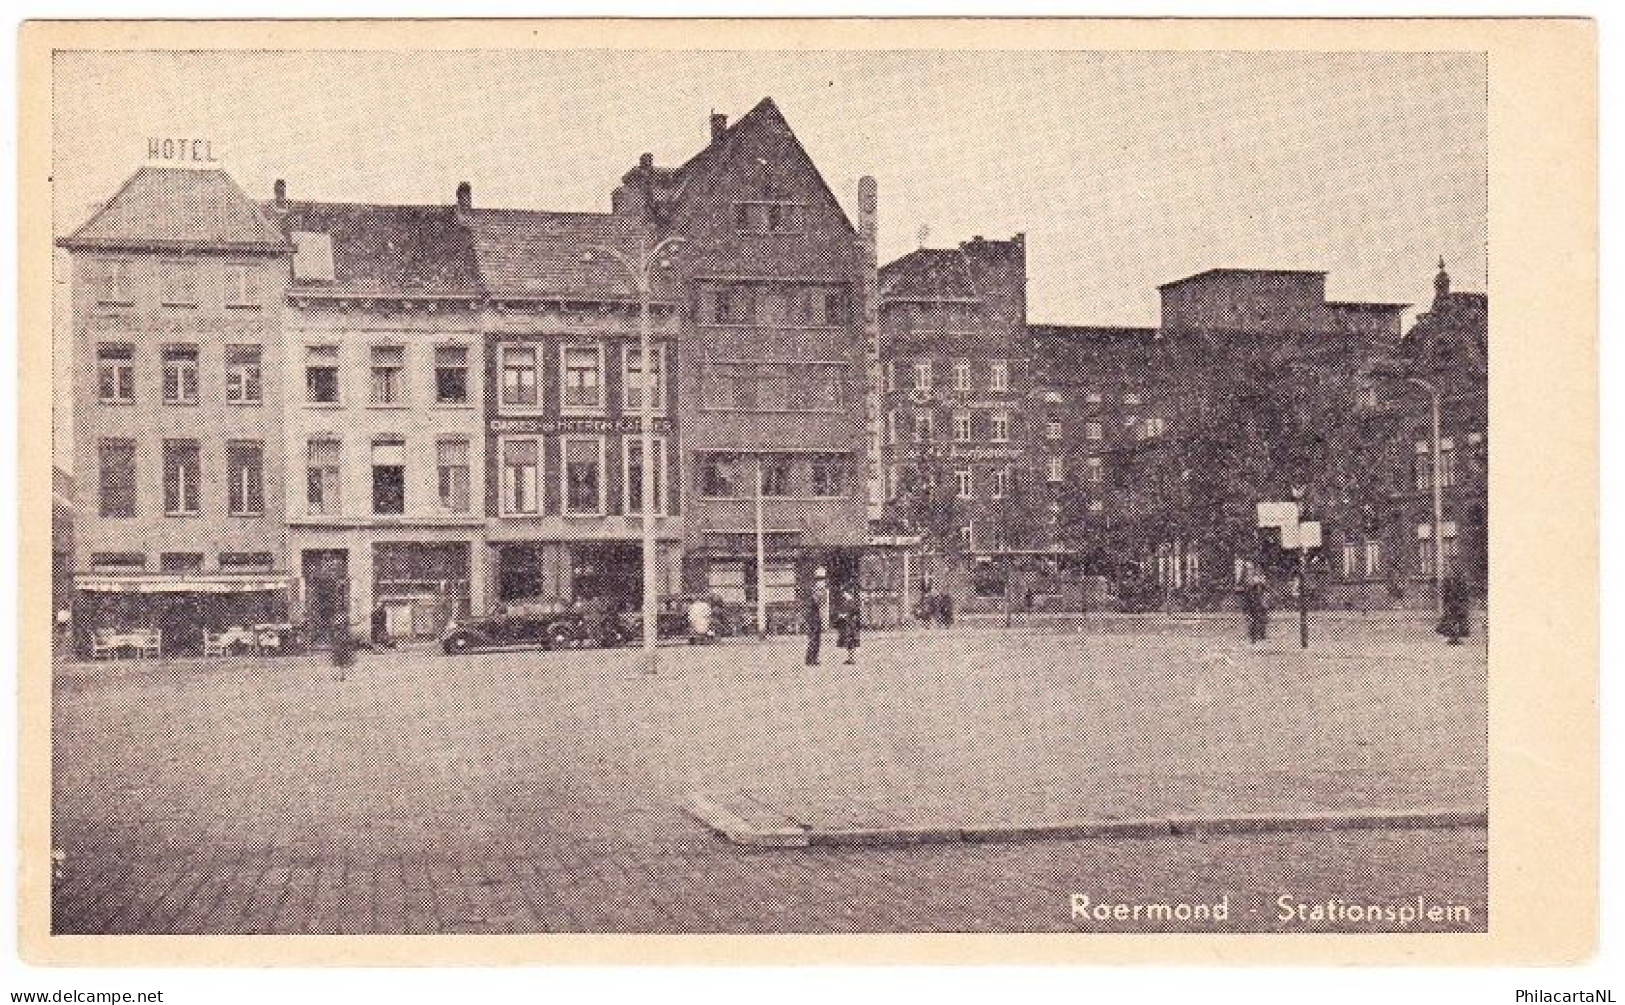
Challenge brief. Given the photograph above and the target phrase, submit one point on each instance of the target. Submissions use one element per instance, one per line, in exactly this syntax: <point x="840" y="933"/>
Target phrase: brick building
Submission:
<point x="385" y="411"/>
<point x="177" y="284"/>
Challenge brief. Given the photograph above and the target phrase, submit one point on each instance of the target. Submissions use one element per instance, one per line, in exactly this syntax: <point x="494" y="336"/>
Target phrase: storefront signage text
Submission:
<point x="572" y="425"/>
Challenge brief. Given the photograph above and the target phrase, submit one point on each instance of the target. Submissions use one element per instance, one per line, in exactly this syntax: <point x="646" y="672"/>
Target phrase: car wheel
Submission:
<point x="559" y="636"/>
<point x="457" y="644"/>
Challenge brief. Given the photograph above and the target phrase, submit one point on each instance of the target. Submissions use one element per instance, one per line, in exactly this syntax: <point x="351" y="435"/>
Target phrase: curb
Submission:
<point x="744" y="822"/>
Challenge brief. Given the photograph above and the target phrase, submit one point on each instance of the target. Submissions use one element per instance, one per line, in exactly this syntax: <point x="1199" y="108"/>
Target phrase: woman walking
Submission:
<point x="849" y="617"/>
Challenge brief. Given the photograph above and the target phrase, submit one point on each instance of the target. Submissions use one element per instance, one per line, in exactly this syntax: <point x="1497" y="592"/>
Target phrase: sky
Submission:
<point x="1125" y="170"/>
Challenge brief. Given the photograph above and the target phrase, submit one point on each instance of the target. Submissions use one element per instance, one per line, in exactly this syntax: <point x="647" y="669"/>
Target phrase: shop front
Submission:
<point x="177" y="616"/>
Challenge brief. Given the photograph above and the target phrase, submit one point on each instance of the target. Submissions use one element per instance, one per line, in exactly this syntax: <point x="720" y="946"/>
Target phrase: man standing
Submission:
<point x="1257" y="607"/>
<point x="813" y="621"/>
<point x="848" y="619"/>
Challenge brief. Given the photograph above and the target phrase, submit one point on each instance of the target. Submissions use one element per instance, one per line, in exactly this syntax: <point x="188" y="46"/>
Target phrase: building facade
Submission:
<point x="177" y="288"/>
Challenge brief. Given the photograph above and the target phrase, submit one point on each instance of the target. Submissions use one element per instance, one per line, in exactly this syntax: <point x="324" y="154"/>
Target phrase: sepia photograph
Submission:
<point x="517" y="490"/>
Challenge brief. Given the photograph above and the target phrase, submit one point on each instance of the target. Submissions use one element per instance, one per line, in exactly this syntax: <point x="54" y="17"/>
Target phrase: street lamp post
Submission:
<point x="1438" y="492"/>
<point x="639" y="269"/>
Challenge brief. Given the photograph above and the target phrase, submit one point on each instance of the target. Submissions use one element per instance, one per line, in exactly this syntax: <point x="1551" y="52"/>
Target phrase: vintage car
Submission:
<point x="533" y="624"/>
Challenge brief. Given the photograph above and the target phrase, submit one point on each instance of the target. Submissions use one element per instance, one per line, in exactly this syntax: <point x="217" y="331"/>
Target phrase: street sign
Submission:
<point x="1309" y="534"/>
<point x="1278" y="514"/>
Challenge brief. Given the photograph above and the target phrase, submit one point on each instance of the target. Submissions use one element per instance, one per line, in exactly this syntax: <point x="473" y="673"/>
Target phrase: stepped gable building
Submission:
<point x="563" y="362"/>
<point x="959" y="447"/>
<point x="177" y="282"/>
<point x="385" y="392"/>
<point x="770" y="367"/>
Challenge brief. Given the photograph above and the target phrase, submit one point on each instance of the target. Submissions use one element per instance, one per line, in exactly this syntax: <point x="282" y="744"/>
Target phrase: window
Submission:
<point x="967" y="537"/>
<point x="1000" y="427"/>
<point x="1451" y="545"/>
<point x="891" y="428"/>
<point x="1424" y="548"/>
<point x="632" y="451"/>
<point x="245" y="477"/>
<point x="115" y="371"/>
<point x="582" y="375"/>
<point x="244" y="379"/>
<point x="180" y="284"/>
<point x="1154" y="425"/>
<point x="1373" y="558"/>
<point x="767" y="217"/>
<point x="176" y="562"/>
<point x="828" y="476"/>
<point x="451" y="465"/>
<point x="1095" y="506"/>
<point x="1052" y="427"/>
<point x="322" y="477"/>
<point x="519" y="376"/>
<point x="1093" y="431"/>
<point x="388" y="374"/>
<point x="776" y="478"/>
<point x="1056" y="469"/>
<point x="835" y="307"/>
<point x="1351" y="559"/>
<point x="1131" y="399"/>
<point x="521" y="465"/>
<point x="1093" y="398"/>
<point x="774" y="387"/>
<point x="116" y="466"/>
<point x="961" y="428"/>
<point x="1001" y="483"/>
<point x="632" y="387"/>
<point x="112" y="283"/>
<point x="180" y="374"/>
<point x="998" y="378"/>
<point x="1093" y="467"/>
<point x="451" y="375"/>
<point x="733" y="305"/>
<point x="922" y="375"/>
<point x="246" y="561"/>
<point x="181" y="477"/>
<point x="962" y="480"/>
<point x="117" y="561"/>
<point x="922" y="427"/>
<point x="242" y="286"/>
<point x="719" y="477"/>
<point x="389" y="476"/>
<point x="961" y="375"/>
<point x="312" y="256"/>
<point x="1422" y="467"/>
<point x="322" y="374"/>
<point x="824" y="387"/>
<point x="1447" y="462"/>
<point x="583" y="473"/>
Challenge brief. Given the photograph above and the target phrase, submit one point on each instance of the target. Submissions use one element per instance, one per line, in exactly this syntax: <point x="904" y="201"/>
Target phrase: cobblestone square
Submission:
<point x="533" y="792"/>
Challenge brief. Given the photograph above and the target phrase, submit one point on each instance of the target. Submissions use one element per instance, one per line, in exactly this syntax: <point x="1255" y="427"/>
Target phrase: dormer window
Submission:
<point x="312" y="257"/>
<point x="767" y="216"/>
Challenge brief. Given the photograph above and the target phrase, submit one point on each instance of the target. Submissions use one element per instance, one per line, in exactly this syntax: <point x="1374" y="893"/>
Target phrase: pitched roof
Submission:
<point x="524" y="253"/>
<point x="179" y="209"/>
<point x="929" y="274"/>
<point x="389" y="250"/>
<point x="1215" y="273"/>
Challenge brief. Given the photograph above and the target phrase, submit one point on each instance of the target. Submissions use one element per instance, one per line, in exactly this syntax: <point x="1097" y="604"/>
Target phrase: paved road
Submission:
<point x="541" y="792"/>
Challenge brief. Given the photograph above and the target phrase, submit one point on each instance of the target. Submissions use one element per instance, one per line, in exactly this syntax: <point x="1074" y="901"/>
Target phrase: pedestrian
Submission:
<point x="1455" y="607"/>
<point x="848" y="620"/>
<point x="343" y="645"/>
<point x="813" y="621"/>
<point x="1255" y="601"/>
<point x="380" y="629"/>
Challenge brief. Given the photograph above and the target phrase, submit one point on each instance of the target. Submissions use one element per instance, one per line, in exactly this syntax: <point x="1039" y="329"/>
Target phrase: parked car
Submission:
<point x="520" y="624"/>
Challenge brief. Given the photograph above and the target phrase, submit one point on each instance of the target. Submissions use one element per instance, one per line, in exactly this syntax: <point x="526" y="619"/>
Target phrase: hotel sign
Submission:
<point x="573" y="424"/>
<point x="181" y="151"/>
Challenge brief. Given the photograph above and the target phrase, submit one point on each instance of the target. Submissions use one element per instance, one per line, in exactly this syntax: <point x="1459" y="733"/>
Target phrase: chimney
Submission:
<point x="646" y="161"/>
<point x="719" y="125"/>
<point x="465" y="196"/>
<point x="281" y="190"/>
